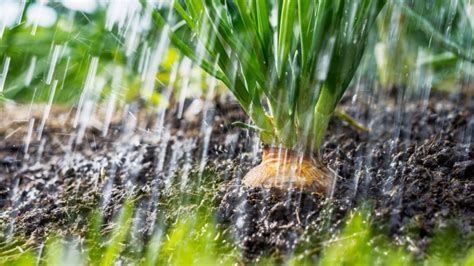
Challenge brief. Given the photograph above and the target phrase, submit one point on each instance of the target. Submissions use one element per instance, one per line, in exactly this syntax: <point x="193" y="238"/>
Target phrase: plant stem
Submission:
<point x="343" y="115"/>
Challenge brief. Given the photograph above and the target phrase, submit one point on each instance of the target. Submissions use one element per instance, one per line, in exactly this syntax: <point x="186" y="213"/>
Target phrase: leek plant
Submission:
<point x="287" y="62"/>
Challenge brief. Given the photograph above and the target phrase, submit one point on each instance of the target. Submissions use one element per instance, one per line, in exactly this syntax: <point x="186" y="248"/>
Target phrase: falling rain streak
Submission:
<point x="3" y="77"/>
<point x="47" y="109"/>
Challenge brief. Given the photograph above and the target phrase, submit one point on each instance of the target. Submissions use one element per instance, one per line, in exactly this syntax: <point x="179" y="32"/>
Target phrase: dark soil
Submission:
<point x="415" y="168"/>
<point x="417" y="177"/>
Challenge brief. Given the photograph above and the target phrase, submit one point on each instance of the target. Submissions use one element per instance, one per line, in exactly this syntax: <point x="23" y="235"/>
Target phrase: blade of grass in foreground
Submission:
<point x="119" y="235"/>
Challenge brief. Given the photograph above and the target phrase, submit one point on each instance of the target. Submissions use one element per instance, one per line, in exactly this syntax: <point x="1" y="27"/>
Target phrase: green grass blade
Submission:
<point x="119" y="235"/>
<point x="189" y="20"/>
<point x="195" y="7"/>
<point x="93" y="237"/>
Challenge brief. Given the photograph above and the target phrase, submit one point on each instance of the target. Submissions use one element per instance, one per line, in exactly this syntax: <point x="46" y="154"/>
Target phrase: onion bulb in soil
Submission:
<point x="281" y="168"/>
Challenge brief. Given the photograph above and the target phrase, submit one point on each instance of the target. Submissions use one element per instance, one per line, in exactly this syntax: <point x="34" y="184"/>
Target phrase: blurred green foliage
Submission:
<point x="405" y="52"/>
<point x="425" y="43"/>
<point x="76" y="38"/>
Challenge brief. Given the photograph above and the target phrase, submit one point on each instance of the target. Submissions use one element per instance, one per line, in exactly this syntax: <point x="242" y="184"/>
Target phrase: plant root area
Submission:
<point x="413" y="171"/>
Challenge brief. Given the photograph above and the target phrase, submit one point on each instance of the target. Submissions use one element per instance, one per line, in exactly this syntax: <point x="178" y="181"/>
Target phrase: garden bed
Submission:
<point x="414" y="169"/>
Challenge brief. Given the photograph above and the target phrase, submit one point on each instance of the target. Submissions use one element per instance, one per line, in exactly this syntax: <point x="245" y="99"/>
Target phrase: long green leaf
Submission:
<point x="285" y="33"/>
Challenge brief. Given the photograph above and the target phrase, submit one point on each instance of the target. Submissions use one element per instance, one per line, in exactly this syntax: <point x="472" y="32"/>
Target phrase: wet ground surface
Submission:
<point x="415" y="176"/>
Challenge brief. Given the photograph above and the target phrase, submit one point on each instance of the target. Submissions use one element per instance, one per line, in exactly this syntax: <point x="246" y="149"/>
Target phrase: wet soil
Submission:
<point x="418" y="178"/>
<point x="415" y="168"/>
